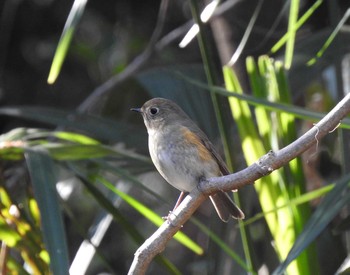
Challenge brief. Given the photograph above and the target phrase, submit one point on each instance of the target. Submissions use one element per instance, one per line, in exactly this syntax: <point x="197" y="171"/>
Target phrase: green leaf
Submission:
<point x="11" y="153"/>
<point x="76" y="138"/>
<point x="152" y="216"/>
<point x="330" y="206"/>
<point x="292" y="28"/>
<point x="42" y="173"/>
<point x="304" y="198"/>
<point x="330" y="38"/>
<point x="66" y="38"/>
<point x="8" y="235"/>
<point x="224" y="246"/>
<point x="271" y="190"/>
<point x="296" y="111"/>
<point x="100" y="128"/>
<point x="5" y="200"/>
<point x="76" y="152"/>
<point x="122" y="221"/>
<point x="298" y="24"/>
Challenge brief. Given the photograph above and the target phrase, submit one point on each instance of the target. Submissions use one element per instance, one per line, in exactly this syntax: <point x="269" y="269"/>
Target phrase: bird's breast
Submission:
<point x="181" y="160"/>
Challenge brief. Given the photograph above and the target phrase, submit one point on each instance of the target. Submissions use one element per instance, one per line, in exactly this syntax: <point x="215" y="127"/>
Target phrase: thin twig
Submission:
<point x="155" y="45"/>
<point x="264" y="166"/>
<point x="134" y="66"/>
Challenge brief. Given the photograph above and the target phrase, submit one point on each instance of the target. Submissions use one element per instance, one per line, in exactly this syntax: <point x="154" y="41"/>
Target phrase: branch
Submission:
<point x="133" y="67"/>
<point x="264" y="166"/>
<point x="155" y="45"/>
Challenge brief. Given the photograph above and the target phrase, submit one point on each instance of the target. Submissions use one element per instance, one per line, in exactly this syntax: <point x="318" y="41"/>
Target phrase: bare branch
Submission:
<point x="133" y="67"/>
<point x="155" y="45"/>
<point x="264" y="166"/>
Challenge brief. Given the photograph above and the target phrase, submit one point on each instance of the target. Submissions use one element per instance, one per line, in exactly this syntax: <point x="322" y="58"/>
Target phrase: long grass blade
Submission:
<point x="292" y="28"/>
<point x="246" y="35"/>
<point x="122" y="221"/>
<point x="66" y="38"/>
<point x="330" y="38"/>
<point x="296" y="111"/>
<point x="97" y="127"/>
<point x="298" y="24"/>
<point x="151" y="216"/>
<point x="304" y="198"/>
<point x="325" y="212"/>
<point x="42" y="173"/>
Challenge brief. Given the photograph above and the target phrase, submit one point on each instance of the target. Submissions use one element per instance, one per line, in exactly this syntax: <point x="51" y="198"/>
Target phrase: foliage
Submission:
<point x="274" y="131"/>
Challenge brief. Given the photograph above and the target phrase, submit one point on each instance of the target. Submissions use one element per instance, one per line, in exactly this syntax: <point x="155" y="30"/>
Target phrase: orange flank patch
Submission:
<point x="204" y="154"/>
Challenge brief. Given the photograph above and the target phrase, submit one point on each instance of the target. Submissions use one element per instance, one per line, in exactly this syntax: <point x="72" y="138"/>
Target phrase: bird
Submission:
<point x="183" y="154"/>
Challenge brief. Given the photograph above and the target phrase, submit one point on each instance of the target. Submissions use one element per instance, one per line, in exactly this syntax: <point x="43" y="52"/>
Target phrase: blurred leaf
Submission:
<point x="292" y="28"/>
<point x="14" y="134"/>
<point x="279" y="131"/>
<point x="297" y="111"/>
<point x="5" y="200"/>
<point x="298" y="24"/>
<point x="246" y="35"/>
<point x="77" y="152"/>
<point x="8" y="235"/>
<point x="250" y="141"/>
<point x="330" y="206"/>
<point x="122" y="221"/>
<point x="42" y="173"/>
<point x="101" y="128"/>
<point x="330" y="38"/>
<point x="34" y="211"/>
<point x="224" y="246"/>
<point x="130" y="177"/>
<point x="15" y="267"/>
<point x="66" y="38"/>
<point x="271" y="190"/>
<point x="152" y="216"/>
<point x="11" y="153"/>
<point x="77" y="138"/>
<point x="304" y="198"/>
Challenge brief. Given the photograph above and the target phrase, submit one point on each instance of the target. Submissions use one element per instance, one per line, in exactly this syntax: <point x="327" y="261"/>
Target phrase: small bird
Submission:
<point x="183" y="154"/>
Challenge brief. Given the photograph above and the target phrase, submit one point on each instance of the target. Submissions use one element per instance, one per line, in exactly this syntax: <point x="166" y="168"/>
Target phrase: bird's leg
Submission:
<point x="179" y="200"/>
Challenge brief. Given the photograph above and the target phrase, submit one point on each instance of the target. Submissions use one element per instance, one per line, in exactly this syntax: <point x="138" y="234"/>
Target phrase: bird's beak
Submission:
<point x="137" y="110"/>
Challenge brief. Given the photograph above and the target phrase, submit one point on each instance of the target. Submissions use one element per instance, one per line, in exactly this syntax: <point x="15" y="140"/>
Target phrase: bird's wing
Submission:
<point x="210" y="147"/>
<point x="222" y="165"/>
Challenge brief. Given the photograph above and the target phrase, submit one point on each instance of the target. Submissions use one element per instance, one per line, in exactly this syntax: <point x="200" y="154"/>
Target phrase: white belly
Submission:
<point x="179" y="167"/>
<point x="178" y="176"/>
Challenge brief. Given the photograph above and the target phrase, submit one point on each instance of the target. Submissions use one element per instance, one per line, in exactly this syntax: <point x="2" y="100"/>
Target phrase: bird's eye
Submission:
<point x="154" y="110"/>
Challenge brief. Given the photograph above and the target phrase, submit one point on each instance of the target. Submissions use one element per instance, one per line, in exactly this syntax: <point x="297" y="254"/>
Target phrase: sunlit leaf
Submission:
<point x="298" y="24"/>
<point x="74" y="137"/>
<point x="330" y="38"/>
<point x="297" y="111"/>
<point x="222" y="244"/>
<point x="11" y="153"/>
<point x="152" y="216"/>
<point x="292" y="28"/>
<point x="8" y="235"/>
<point x="122" y="221"/>
<point x="98" y="127"/>
<point x="66" y="38"/>
<point x="34" y="211"/>
<point x="5" y="199"/>
<point x="76" y="151"/>
<point x="304" y="198"/>
<point x="330" y="206"/>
